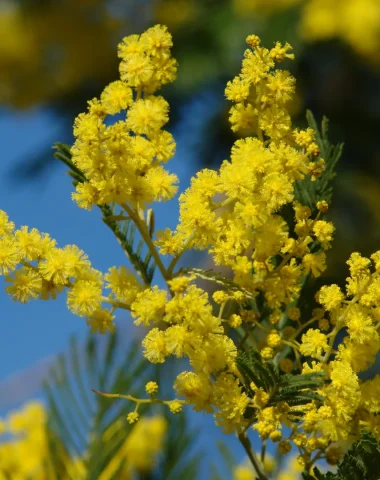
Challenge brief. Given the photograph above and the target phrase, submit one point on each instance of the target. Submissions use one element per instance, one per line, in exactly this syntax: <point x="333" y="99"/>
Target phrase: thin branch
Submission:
<point x="244" y="440"/>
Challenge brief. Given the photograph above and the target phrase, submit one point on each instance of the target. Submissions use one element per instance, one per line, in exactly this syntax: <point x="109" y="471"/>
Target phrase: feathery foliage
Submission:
<point x="309" y="192"/>
<point x="361" y="462"/>
<point x="93" y="428"/>
<point x="293" y="389"/>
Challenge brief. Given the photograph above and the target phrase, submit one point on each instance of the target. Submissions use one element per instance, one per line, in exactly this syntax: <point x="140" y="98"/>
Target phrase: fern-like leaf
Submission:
<point x="307" y="192"/>
<point x="84" y="425"/>
<point x="361" y="462"/>
<point x="78" y="419"/>
<point x="253" y="369"/>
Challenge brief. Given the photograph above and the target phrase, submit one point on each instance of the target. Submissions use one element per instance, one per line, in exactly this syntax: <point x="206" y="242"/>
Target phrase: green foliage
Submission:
<point x="227" y="465"/>
<point x="307" y="192"/>
<point x="123" y="227"/>
<point x="361" y="462"/>
<point x="84" y="424"/>
<point x="292" y="389"/>
<point x="253" y="369"/>
<point x="78" y="418"/>
<point x="178" y="457"/>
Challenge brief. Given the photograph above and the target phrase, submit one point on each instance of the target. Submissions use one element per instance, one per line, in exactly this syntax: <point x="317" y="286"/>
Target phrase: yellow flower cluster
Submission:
<point x="29" y="42"/>
<point x="291" y="471"/>
<point x="122" y="159"/>
<point x="24" y="451"/>
<point x="45" y="271"/>
<point x="350" y="404"/>
<point x="356" y="22"/>
<point x="246" y="217"/>
<point x="233" y="213"/>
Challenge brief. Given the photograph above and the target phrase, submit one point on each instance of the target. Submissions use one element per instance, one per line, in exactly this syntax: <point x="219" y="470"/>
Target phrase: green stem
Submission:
<point x="244" y="440"/>
<point x="116" y="218"/>
<point x="134" y="399"/>
<point x="115" y="303"/>
<point x="175" y="260"/>
<point x="302" y="327"/>
<point x="263" y="451"/>
<point x="142" y="228"/>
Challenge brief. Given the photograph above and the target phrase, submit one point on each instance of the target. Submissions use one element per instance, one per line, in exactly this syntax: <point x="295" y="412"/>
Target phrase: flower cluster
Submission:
<point x="248" y="217"/>
<point x="356" y="22"/>
<point x="36" y="268"/>
<point x="122" y="160"/>
<point x="24" y="451"/>
<point x="291" y="471"/>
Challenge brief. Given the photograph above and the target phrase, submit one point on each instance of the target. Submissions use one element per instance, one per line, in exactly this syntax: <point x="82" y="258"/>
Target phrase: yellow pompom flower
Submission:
<point x="324" y="232"/>
<point x="237" y="90"/>
<point x="155" y="346"/>
<point x="136" y="70"/>
<point x="273" y="339"/>
<point x="323" y="206"/>
<point x="151" y="388"/>
<point x="196" y="389"/>
<point x="29" y="243"/>
<point x="359" y="265"/>
<point x="180" y="341"/>
<point x="330" y="297"/>
<point x="123" y="284"/>
<point x="84" y="298"/>
<point x="149" y="306"/>
<point x="9" y="255"/>
<point x="132" y="417"/>
<point x="148" y="115"/>
<point x="116" y="96"/>
<point x="60" y="265"/>
<point x="175" y="406"/>
<point x="313" y="343"/>
<point x="314" y="263"/>
<point x="6" y="227"/>
<point x="267" y="353"/>
<point x="157" y="40"/>
<point x="101" y="321"/>
<point x="26" y="284"/>
<point x="235" y="320"/>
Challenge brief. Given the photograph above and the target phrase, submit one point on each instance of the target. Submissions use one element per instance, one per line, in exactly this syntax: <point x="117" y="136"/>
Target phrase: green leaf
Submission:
<point x="294" y="389"/>
<point x="78" y="418"/>
<point x="178" y="458"/>
<point x="253" y="369"/>
<point x="298" y="389"/>
<point x="307" y="192"/>
<point x="361" y="462"/>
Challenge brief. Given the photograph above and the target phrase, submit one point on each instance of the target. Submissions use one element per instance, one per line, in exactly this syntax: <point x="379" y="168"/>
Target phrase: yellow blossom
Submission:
<point x="151" y="388"/>
<point x="313" y="343"/>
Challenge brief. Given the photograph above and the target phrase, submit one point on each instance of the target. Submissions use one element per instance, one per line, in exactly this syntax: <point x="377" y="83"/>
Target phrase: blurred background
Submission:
<point x="57" y="54"/>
